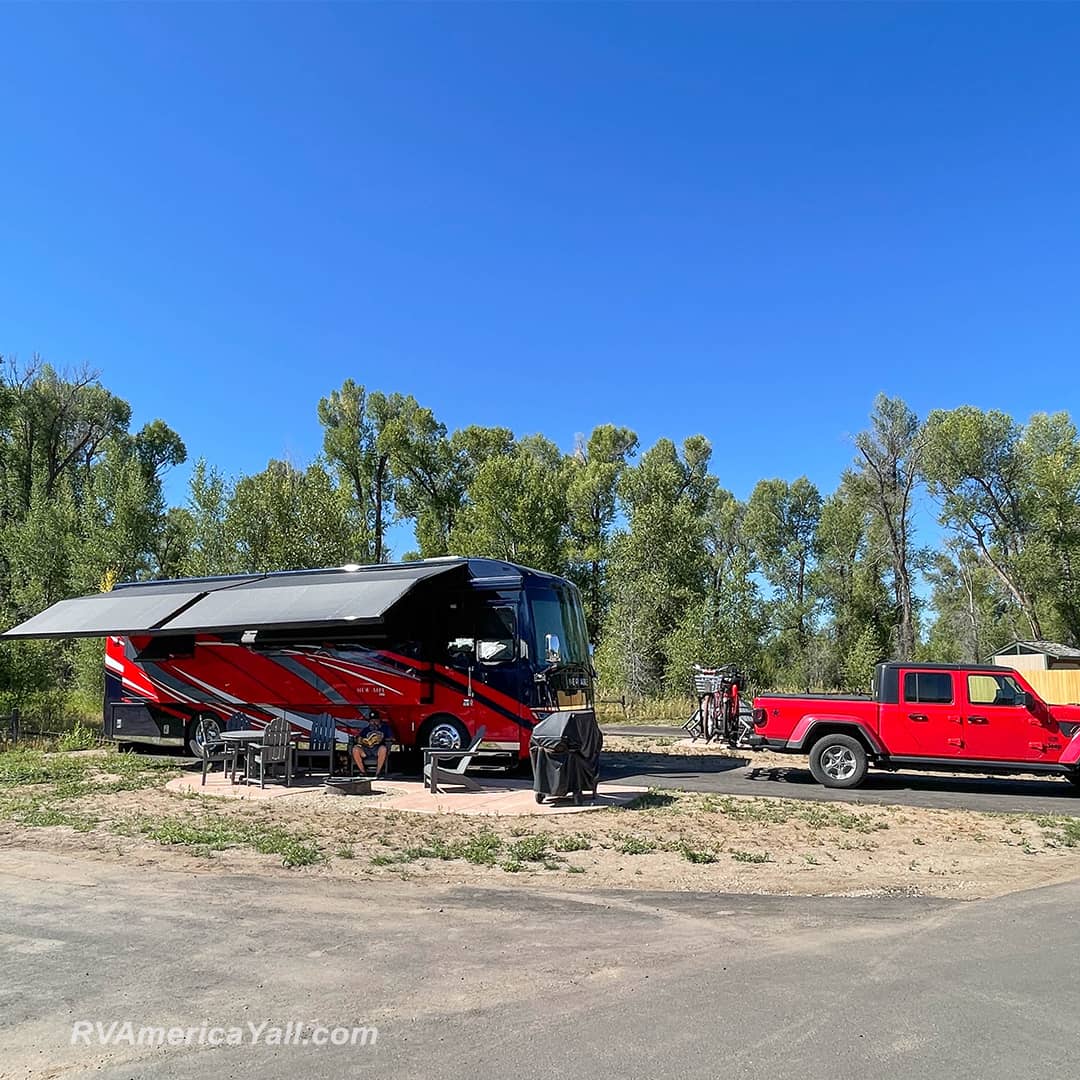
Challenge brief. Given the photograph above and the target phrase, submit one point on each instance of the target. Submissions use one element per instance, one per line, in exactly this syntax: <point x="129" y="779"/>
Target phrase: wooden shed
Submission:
<point x="1052" y="669"/>
<point x="1038" y="656"/>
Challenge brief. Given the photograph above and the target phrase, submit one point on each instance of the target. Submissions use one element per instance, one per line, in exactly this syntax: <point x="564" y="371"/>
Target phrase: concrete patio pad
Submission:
<point x="498" y="798"/>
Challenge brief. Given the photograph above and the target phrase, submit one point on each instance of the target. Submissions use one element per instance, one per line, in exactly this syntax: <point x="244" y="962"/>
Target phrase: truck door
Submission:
<point x="927" y="721"/>
<point x="999" y="724"/>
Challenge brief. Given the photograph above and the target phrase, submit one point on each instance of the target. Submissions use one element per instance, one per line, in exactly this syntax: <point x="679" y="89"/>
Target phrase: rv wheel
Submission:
<point x="213" y="726"/>
<point x="539" y="796"/>
<point x="444" y="732"/>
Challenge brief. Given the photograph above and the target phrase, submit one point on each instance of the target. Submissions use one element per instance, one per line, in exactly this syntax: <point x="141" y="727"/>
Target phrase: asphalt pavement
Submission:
<point x="713" y="773"/>
<point x="489" y="983"/>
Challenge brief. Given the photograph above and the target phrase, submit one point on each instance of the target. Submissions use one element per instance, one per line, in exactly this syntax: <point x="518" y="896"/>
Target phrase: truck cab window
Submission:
<point x="994" y="690"/>
<point x="928" y="687"/>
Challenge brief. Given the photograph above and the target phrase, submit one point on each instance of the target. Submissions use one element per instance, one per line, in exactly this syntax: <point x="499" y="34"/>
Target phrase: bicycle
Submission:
<point x="718" y="711"/>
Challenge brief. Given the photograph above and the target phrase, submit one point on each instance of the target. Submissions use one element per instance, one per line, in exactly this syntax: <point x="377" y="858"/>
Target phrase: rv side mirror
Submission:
<point x="553" y="648"/>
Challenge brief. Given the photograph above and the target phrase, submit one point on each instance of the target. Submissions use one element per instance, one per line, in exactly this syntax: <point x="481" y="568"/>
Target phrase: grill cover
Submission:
<point x="565" y="754"/>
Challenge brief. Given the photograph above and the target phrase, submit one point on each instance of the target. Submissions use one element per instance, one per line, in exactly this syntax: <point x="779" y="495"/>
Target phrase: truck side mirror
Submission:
<point x="1026" y="699"/>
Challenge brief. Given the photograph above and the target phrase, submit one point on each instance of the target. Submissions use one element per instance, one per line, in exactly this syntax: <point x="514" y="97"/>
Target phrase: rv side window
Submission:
<point x="496" y="635"/>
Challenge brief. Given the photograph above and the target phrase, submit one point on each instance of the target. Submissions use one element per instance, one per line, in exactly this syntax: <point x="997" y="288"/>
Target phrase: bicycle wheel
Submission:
<point x="708" y="717"/>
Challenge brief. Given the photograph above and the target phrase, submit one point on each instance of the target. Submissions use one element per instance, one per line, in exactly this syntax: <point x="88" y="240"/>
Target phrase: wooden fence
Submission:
<point x="1056" y="687"/>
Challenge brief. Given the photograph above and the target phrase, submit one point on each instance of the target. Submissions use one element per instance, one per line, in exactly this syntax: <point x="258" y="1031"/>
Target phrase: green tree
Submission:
<point x="659" y="567"/>
<point x="1012" y="493"/>
<point x="286" y="518"/>
<point x="849" y="580"/>
<point x="591" y="495"/>
<point x="886" y="474"/>
<point x="781" y="524"/>
<point x="515" y="507"/>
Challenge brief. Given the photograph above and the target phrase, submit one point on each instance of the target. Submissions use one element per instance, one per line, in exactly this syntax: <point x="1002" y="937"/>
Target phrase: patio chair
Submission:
<point x="208" y="739"/>
<point x="237" y="722"/>
<point x="320" y="744"/>
<point x="436" y="773"/>
<point x="275" y="751"/>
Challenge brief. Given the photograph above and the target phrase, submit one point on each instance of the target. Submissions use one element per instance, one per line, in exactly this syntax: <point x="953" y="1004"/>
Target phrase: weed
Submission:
<point x="530" y="849"/>
<point x="751" y="856"/>
<point x="697" y="855"/>
<point x="636" y="845"/>
<point x="653" y="800"/>
<point x="216" y="834"/>
<point x="36" y="815"/>
<point x="513" y="866"/>
<point x="572" y="842"/>
<point x="79" y="737"/>
<point x="481" y="849"/>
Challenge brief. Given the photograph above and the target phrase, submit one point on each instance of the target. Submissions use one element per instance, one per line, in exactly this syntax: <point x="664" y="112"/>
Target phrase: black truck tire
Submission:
<point x="838" y="761"/>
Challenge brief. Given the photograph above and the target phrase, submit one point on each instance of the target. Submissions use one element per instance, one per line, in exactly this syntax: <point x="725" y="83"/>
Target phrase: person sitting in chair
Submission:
<point x="373" y="735"/>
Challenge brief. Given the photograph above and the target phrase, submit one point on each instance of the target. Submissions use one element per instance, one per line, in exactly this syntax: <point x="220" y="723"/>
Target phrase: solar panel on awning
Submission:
<point x="318" y="598"/>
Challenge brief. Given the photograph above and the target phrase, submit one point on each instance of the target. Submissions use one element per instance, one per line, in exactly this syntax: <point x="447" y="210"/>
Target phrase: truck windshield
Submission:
<point x="558" y="627"/>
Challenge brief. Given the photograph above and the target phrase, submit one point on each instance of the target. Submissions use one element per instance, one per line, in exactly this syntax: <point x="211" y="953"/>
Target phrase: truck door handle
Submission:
<point x="977" y="720"/>
<point x="921" y="717"/>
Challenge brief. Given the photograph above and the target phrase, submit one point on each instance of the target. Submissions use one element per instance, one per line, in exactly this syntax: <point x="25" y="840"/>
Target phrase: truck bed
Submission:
<point x="815" y="697"/>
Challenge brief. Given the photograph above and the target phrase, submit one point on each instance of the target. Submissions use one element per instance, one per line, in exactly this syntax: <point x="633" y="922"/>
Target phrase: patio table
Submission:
<point x="238" y="741"/>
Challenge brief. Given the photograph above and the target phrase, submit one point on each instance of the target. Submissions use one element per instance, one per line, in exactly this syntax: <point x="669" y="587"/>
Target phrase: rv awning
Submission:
<point x="305" y="598"/>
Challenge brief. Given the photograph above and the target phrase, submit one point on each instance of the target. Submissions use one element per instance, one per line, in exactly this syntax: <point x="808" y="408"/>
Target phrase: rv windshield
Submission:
<point x="558" y="627"/>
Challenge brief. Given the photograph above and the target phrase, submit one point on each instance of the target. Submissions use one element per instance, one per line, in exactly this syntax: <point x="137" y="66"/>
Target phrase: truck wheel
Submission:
<point x="838" y="761"/>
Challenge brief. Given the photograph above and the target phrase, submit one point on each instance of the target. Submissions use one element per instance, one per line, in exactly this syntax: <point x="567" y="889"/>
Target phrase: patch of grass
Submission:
<point x="481" y="849"/>
<point x="513" y="866"/>
<point x="393" y="859"/>
<point x="636" y="845"/>
<point x="1064" y="831"/>
<point x="575" y="869"/>
<point x="653" y="800"/>
<point x="36" y="814"/>
<point x="345" y="853"/>
<point x="217" y="834"/>
<point x="18" y="767"/>
<point x="80" y="737"/>
<point x="572" y="842"/>
<point x="751" y="856"/>
<point x="530" y="849"/>
<point x="697" y="855"/>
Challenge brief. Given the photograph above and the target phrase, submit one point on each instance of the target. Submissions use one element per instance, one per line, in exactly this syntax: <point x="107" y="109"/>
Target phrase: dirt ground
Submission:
<point x="669" y="840"/>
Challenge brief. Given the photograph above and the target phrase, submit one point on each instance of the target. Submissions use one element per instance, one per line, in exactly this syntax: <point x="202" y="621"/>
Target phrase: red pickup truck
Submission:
<point x="944" y="717"/>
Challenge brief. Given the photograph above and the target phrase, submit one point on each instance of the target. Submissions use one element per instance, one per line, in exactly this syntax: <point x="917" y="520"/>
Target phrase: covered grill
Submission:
<point x="565" y="753"/>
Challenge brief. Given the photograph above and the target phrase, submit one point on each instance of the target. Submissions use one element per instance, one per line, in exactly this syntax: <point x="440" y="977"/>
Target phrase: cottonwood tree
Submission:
<point x="592" y="474"/>
<point x="1012" y="492"/>
<point x="781" y="524"/>
<point x="885" y="474"/>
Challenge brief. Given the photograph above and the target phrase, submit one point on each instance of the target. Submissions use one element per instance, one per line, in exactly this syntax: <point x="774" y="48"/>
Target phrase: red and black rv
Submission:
<point x="439" y="648"/>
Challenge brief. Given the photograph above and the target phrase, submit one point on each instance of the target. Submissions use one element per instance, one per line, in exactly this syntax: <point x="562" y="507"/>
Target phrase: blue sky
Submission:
<point x="740" y="220"/>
